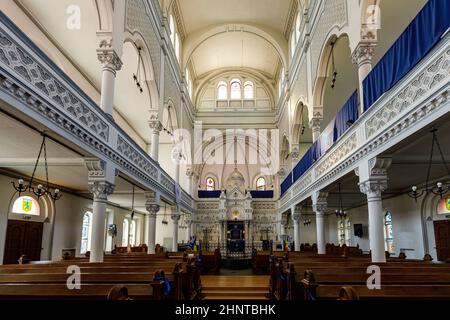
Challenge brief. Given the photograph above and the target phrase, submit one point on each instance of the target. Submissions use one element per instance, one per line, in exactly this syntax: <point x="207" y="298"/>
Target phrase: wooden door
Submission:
<point x="23" y="237"/>
<point x="442" y="235"/>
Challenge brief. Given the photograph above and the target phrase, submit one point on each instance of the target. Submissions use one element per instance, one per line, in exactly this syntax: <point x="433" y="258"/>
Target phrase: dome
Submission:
<point x="235" y="179"/>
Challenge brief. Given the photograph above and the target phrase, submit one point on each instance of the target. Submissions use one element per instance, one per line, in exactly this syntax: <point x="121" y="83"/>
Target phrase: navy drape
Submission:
<point x="423" y="33"/>
<point x="203" y="194"/>
<point x="349" y="112"/>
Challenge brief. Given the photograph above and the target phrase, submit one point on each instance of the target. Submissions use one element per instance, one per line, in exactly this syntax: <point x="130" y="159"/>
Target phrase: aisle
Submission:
<point x="235" y="287"/>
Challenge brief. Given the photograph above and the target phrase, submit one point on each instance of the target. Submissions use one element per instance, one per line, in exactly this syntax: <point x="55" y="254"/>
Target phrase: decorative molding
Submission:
<point x="363" y="53"/>
<point x="329" y="161"/>
<point x="100" y="189"/>
<point x="435" y="74"/>
<point x="51" y="90"/>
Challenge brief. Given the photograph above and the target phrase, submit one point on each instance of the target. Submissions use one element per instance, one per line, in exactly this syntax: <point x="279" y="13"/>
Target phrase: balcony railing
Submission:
<point x="404" y="79"/>
<point x="35" y="86"/>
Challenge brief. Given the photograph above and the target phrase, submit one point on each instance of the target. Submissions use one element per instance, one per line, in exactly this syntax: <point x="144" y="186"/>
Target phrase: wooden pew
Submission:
<point x="328" y="274"/>
<point x="22" y="280"/>
<point x="210" y="262"/>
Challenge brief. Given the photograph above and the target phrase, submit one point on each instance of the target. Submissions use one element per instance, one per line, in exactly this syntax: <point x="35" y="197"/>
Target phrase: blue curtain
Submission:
<point x="203" y="194"/>
<point x="286" y="184"/>
<point x="258" y="194"/>
<point x="337" y="127"/>
<point x="349" y="112"/>
<point x="415" y="42"/>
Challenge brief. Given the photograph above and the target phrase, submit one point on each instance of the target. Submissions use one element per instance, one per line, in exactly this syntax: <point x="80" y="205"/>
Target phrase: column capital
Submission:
<point x="316" y="120"/>
<point x="295" y="152"/>
<point x="363" y="53"/>
<point x="152" y="202"/>
<point x="296" y="212"/>
<point x="106" y="54"/>
<point x="100" y="189"/>
<point x="155" y="125"/>
<point x="320" y="203"/>
<point x="373" y="188"/>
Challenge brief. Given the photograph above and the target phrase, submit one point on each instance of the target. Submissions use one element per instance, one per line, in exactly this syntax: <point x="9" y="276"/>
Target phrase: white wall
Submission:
<point x="406" y="223"/>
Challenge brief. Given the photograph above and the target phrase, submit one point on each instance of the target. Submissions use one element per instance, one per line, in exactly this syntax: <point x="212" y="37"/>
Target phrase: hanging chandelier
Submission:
<point x="137" y="75"/>
<point x="333" y="81"/>
<point x="164" y="220"/>
<point x="440" y="188"/>
<point x="41" y="190"/>
<point x="168" y="126"/>
<point x="307" y="222"/>
<point x="340" y="213"/>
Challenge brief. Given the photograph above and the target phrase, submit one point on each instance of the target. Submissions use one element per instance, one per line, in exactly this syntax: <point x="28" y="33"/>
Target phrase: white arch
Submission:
<point x="193" y="41"/>
<point x="149" y="71"/>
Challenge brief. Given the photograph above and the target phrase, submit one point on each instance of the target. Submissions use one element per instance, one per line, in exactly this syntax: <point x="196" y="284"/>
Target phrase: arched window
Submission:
<point x="344" y="228"/>
<point x="172" y="29"/>
<point x="222" y="93"/>
<point x="388" y="232"/>
<point x="261" y="184"/>
<point x="125" y="232"/>
<point x="86" y="233"/>
<point x="177" y="46"/>
<point x="235" y="89"/>
<point x="297" y="27"/>
<point x="210" y="184"/>
<point x="248" y="90"/>
<point x="189" y="82"/>
<point x="293" y="43"/>
<point x="133" y="233"/>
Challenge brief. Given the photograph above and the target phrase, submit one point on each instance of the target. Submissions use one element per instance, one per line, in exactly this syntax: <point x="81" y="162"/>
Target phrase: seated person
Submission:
<point x="160" y="276"/>
<point x="118" y="293"/>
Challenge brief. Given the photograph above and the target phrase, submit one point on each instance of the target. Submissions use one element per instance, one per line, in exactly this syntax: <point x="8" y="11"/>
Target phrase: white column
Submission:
<point x="175" y="217"/>
<point x="320" y="225"/>
<point x="296" y="220"/>
<point x="362" y="57"/>
<point x="319" y="200"/>
<point x="156" y="127"/>
<point x="110" y="64"/>
<point x="152" y="205"/>
<point x="100" y="190"/>
<point x="373" y="189"/>
<point x="146" y="230"/>
<point x="151" y="239"/>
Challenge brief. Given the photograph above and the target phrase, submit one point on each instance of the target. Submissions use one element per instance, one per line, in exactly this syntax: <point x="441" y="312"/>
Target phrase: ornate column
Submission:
<point x="373" y="181"/>
<point x="176" y="218"/>
<point x="190" y="175"/>
<point x="320" y="205"/>
<point x="111" y="63"/>
<point x="100" y="183"/>
<point x="156" y="127"/>
<point x="152" y="205"/>
<point x="100" y="191"/>
<point x="296" y="214"/>
<point x="362" y="57"/>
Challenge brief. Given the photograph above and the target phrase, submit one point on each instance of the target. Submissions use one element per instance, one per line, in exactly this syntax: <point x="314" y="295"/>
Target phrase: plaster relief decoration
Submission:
<point x="138" y="20"/>
<point x="435" y="74"/>
<point x="136" y="158"/>
<point x="53" y="90"/>
<point x="336" y="155"/>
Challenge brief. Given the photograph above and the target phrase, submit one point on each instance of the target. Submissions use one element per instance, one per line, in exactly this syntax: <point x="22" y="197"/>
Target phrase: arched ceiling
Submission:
<point x="235" y="50"/>
<point x="249" y="38"/>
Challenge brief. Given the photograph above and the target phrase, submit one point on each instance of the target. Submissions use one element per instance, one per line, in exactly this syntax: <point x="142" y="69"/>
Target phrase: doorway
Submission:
<point x="442" y="236"/>
<point x="23" y="237"/>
